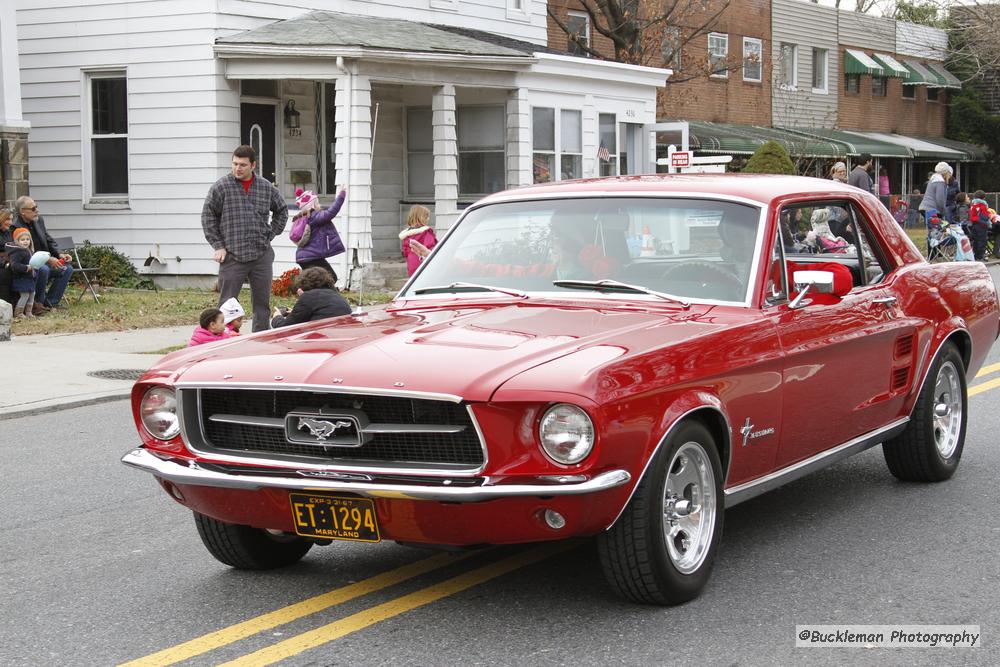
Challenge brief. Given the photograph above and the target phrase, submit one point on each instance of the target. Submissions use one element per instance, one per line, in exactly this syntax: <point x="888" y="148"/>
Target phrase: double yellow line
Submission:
<point x="353" y="623"/>
<point x="989" y="384"/>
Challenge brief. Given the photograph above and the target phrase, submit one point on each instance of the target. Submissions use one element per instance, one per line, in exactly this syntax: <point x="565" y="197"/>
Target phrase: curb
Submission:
<point x="57" y="407"/>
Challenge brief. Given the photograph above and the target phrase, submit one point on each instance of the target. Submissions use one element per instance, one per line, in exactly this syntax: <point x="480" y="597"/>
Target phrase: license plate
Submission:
<point x="334" y="518"/>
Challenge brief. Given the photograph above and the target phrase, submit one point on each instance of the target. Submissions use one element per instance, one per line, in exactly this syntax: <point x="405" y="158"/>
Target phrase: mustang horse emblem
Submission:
<point x="321" y="428"/>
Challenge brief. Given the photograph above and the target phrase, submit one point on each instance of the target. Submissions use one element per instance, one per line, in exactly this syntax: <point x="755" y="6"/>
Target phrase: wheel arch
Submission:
<point x="962" y="340"/>
<point x="708" y="411"/>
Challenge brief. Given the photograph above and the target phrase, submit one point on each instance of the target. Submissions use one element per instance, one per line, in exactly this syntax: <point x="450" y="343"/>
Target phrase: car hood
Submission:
<point x="465" y="351"/>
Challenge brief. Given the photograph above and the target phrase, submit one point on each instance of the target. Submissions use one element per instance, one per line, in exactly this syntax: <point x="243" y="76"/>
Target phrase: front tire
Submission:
<point x="662" y="548"/>
<point x="931" y="446"/>
<point x="248" y="548"/>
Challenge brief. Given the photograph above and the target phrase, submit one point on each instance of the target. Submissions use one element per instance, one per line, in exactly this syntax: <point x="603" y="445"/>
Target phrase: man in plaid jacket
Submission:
<point x="237" y="225"/>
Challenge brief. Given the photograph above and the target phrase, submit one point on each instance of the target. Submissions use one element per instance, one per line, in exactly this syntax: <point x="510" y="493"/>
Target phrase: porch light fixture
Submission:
<point x="291" y="116"/>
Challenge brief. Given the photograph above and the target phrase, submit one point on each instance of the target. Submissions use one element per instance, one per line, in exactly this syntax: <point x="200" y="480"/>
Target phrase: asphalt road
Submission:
<point x="98" y="566"/>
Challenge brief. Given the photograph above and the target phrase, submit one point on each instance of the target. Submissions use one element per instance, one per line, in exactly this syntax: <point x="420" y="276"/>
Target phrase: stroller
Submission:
<point x="946" y="242"/>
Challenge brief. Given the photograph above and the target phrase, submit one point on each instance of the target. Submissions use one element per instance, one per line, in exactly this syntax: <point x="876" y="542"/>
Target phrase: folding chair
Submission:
<point x="66" y="245"/>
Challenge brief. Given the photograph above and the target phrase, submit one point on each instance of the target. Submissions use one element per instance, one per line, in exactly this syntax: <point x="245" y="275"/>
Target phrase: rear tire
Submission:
<point x="662" y="548"/>
<point x="247" y="548"/>
<point x="931" y="446"/>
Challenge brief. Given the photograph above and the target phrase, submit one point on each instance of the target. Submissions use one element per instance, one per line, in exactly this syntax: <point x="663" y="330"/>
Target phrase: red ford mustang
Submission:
<point x="616" y="358"/>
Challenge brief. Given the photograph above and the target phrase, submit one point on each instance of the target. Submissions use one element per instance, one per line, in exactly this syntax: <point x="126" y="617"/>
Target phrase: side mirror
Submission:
<point x="820" y="282"/>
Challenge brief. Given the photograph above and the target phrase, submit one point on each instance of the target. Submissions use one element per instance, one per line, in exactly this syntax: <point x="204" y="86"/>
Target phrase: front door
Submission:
<point x="848" y="362"/>
<point x="257" y="130"/>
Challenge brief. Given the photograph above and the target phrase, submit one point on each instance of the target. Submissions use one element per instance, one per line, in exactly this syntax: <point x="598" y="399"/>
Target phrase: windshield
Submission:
<point x="699" y="249"/>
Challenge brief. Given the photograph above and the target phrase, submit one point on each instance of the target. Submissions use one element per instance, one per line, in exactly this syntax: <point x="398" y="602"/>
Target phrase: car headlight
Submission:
<point x="566" y="433"/>
<point x="158" y="411"/>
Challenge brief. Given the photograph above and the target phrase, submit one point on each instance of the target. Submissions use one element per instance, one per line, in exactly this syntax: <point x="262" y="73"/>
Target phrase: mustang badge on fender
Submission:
<point x="321" y="428"/>
<point x="750" y="434"/>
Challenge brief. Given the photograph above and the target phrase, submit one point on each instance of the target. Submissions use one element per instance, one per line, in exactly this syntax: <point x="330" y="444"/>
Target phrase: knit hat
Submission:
<point x="943" y="168"/>
<point x="231" y="310"/>
<point x="19" y="232"/>
<point x="305" y="199"/>
<point x="820" y="216"/>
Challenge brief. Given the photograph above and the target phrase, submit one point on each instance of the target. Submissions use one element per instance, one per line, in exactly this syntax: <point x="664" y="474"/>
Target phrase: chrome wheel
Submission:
<point x="947" y="421"/>
<point x="689" y="507"/>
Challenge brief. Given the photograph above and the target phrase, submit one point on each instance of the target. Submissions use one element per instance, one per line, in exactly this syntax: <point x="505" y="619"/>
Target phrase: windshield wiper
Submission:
<point x="470" y="287"/>
<point x="615" y="286"/>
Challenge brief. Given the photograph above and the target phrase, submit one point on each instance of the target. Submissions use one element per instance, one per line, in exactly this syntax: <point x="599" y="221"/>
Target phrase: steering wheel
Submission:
<point x="709" y="275"/>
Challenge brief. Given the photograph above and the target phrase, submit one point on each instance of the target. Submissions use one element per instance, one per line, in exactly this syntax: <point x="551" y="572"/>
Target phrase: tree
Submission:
<point x="770" y="158"/>
<point x="649" y="32"/>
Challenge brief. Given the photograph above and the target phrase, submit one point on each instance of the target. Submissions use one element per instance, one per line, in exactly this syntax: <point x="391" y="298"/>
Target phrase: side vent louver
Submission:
<point x="904" y="347"/>
<point x="899" y="378"/>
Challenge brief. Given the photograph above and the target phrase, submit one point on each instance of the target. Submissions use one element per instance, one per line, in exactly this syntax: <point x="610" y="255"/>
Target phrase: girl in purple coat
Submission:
<point x="416" y="230"/>
<point x="313" y="231"/>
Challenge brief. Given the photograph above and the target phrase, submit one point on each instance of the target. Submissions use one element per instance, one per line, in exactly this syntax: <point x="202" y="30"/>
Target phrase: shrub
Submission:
<point x="771" y="158"/>
<point x="284" y="285"/>
<point x="114" y="269"/>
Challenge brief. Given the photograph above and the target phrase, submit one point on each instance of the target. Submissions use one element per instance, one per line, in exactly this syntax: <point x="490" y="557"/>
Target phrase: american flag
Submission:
<point x="603" y="153"/>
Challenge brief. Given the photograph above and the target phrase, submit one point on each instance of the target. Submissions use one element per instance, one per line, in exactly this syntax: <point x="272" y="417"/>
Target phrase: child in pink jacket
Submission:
<point x="416" y="230"/>
<point x="212" y="327"/>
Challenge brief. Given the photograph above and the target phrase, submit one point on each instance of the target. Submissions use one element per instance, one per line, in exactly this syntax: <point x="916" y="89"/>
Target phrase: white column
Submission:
<point x="354" y="163"/>
<point x="519" y="156"/>
<point x="10" y="74"/>
<point x="591" y="137"/>
<point x="445" y="157"/>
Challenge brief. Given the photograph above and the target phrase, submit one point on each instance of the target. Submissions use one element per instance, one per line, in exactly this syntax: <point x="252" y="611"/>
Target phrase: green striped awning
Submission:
<point x="975" y="153"/>
<point x="708" y="137"/>
<point x="919" y="75"/>
<point x="892" y="67"/>
<point x="854" y="143"/>
<point x="945" y="78"/>
<point x="859" y="62"/>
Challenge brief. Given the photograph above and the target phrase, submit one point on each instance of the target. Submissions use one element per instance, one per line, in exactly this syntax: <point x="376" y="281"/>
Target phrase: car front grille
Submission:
<point x="408" y="432"/>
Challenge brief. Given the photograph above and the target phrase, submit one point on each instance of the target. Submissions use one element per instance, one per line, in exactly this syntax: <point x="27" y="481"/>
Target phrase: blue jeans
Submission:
<point x="60" y="279"/>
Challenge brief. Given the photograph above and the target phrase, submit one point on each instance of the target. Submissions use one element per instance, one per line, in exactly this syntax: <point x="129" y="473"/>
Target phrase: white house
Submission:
<point x="135" y="109"/>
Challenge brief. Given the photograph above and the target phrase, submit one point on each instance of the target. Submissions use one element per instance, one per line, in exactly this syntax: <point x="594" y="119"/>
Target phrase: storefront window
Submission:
<point x="607" y="150"/>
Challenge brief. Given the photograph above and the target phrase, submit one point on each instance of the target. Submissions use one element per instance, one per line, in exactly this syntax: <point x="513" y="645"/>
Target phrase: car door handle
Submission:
<point x="887" y="301"/>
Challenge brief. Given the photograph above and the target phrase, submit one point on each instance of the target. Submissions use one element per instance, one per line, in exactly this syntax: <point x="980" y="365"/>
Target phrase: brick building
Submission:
<point x="828" y="84"/>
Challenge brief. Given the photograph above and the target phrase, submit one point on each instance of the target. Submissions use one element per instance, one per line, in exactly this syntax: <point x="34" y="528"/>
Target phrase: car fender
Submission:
<point x="696" y="404"/>
<point x="952" y="330"/>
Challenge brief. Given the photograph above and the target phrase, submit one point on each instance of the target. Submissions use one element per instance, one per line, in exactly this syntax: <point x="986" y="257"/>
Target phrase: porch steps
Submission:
<point x="387" y="275"/>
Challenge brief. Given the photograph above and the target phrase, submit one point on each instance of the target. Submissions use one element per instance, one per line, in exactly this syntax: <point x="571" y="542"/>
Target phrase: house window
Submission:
<point x="547" y="135"/>
<point x="419" y="153"/>
<point x="481" y="168"/>
<point x="330" y="138"/>
<point x="909" y="92"/>
<point x="607" y="149"/>
<point x="752" y="61"/>
<point x="820" y="65"/>
<point x="671" y="47"/>
<point x="518" y="10"/>
<point x="878" y="86"/>
<point x="852" y="83"/>
<point x="108" y="136"/>
<point x="718" y="51"/>
<point x="932" y="94"/>
<point x="578" y="24"/>
<point x="789" y="65"/>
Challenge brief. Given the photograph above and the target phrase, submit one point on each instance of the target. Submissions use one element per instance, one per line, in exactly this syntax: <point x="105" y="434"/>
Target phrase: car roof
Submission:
<point x="763" y="188"/>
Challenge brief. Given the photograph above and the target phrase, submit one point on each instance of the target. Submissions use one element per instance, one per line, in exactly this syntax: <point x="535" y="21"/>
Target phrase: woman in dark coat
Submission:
<point x="318" y="299"/>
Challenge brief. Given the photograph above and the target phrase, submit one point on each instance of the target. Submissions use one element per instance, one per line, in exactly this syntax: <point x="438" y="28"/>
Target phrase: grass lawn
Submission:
<point x="142" y="309"/>
<point x="919" y="236"/>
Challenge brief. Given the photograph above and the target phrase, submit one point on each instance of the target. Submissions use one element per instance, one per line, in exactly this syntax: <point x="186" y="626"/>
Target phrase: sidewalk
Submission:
<point x="58" y="365"/>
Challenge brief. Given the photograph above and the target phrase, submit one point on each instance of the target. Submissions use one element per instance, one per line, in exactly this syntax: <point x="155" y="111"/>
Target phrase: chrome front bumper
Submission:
<point x="189" y="472"/>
